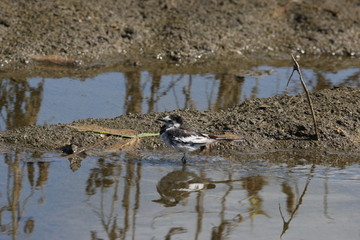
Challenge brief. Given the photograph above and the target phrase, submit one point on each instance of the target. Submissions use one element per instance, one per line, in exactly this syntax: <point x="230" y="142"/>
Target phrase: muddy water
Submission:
<point x="130" y="196"/>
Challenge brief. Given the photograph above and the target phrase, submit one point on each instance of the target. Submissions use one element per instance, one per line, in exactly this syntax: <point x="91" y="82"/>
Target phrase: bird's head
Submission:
<point x="172" y="121"/>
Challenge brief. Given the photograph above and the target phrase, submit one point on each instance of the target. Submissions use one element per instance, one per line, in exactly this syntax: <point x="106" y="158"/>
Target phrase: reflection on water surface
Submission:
<point x="132" y="197"/>
<point x="48" y="96"/>
<point x="127" y="196"/>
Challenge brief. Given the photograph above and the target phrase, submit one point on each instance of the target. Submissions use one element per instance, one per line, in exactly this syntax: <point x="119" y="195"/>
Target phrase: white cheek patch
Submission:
<point x="167" y="118"/>
<point x="177" y="125"/>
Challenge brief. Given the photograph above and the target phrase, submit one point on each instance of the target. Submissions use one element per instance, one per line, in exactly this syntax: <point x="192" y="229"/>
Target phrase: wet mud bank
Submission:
<point x="95" y="31"/>
<point x="265" y="125"/>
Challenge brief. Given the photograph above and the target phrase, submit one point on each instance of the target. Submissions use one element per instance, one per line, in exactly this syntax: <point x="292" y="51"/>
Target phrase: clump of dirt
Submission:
<point x="269" y="124"/>
<point x="93" y="31"/>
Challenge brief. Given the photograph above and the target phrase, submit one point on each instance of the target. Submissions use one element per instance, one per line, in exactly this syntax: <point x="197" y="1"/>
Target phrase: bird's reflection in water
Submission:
<point x="177" y="186"/>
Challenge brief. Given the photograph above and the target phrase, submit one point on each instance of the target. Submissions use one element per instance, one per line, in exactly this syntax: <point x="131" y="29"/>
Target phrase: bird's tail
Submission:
<point x="226" y="137"/>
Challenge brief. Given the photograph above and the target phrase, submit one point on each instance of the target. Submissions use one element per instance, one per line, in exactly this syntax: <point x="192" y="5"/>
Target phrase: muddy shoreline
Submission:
<point x="157" y="34"/>
<point x="265" y="125"/>
<point x="90" y="31"/>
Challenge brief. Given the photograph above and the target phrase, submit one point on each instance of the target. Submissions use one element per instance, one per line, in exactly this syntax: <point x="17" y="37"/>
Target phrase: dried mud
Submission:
<point x="94" y="31"/>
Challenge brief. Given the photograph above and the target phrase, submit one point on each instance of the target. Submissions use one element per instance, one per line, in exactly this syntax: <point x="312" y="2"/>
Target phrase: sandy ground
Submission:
<point x="89" y="32"/>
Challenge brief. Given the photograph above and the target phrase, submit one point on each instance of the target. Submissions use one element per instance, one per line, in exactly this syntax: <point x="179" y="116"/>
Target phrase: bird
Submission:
<point x="176" y="134"/>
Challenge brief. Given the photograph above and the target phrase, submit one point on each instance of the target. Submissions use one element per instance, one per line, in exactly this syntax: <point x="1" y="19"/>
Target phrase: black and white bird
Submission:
<point x="177" y="135"/>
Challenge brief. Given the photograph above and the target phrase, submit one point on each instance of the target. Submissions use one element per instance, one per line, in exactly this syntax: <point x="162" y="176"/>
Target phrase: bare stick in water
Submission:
<point x="297" y="68"/>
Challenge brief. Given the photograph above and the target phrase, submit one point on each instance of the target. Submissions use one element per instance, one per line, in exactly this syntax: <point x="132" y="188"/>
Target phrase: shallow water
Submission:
<point x="40" y="98"/>
<point x="150" y="195"/>
<point x="130" y="196"/>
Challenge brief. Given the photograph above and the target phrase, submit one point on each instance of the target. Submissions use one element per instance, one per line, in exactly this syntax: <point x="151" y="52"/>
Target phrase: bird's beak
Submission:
<point x="161" y="120"/>
<point x="164" y="119"/>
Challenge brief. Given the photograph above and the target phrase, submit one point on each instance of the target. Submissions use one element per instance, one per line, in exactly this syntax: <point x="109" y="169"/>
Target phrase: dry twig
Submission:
<point x="297" y="68"/>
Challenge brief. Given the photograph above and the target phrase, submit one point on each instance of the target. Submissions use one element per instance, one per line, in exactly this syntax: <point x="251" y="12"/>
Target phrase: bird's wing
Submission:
<point x="190" y="137"/>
